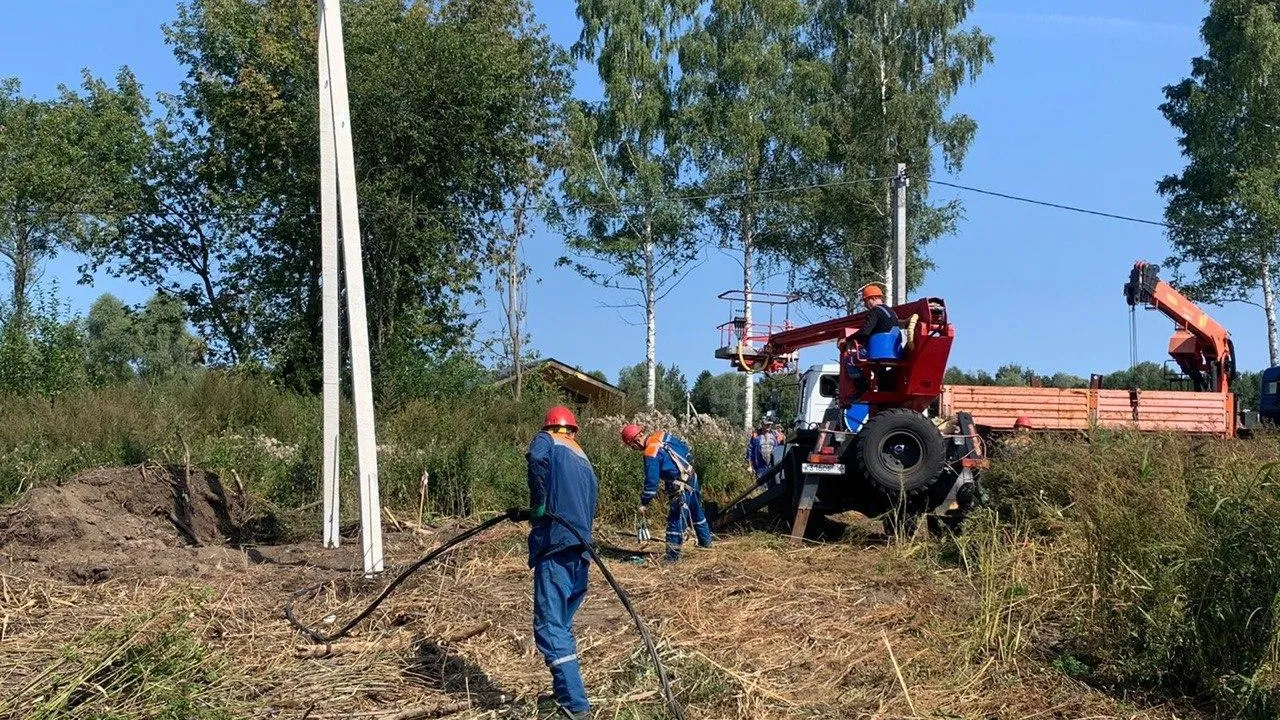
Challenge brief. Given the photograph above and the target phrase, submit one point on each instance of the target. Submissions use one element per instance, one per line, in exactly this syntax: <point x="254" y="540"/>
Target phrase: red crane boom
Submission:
<point x="913" y="381"/>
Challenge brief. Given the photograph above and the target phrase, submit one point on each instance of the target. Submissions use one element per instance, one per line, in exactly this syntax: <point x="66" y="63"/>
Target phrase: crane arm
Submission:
<point x="789" y="341"/>
<point x="1199" y="344"/>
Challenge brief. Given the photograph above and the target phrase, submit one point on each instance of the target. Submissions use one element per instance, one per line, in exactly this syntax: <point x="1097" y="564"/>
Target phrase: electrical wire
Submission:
<point x="1046" y="203"/>
<point x="574" y="205"/>
<point x="514" y="515"/>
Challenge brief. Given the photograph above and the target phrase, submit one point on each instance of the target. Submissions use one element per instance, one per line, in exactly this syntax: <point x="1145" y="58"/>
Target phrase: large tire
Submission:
<point x="901" y="452"/>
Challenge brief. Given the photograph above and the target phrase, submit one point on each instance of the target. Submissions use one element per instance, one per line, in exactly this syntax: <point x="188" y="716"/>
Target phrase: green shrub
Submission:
<point x="1172" y="544"/>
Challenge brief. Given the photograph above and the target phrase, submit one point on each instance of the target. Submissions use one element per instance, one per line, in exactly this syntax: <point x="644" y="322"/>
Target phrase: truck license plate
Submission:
<point x="822" y="469"/>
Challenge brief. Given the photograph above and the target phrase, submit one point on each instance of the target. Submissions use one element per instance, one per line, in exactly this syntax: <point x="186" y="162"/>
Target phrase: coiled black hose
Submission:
<point x="514" y="515"/>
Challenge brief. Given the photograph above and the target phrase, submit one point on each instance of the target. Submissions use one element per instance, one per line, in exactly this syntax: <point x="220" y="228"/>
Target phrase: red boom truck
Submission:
<point x="875" y="452"/>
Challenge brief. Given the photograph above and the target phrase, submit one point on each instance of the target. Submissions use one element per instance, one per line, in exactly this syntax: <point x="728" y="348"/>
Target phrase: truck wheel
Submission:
<point x="901" y="452"/>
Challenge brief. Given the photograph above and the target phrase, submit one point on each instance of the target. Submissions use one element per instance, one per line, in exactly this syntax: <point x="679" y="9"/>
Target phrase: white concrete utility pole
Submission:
<point x="338" y="203"/>
<point x="900" y="233"/>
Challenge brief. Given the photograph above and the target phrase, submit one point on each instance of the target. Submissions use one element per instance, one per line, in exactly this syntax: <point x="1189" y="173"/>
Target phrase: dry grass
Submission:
<point x="754" y="628"/>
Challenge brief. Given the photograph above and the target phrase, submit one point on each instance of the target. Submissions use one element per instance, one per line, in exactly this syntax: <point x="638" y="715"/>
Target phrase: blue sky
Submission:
<point x="1067" y="113"/>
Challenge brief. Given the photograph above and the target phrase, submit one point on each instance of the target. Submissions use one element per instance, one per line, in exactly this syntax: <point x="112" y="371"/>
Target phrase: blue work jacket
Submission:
<point x="756" y="455"/>
<point x="660" y="464"/>
<point x="561" y="479"/>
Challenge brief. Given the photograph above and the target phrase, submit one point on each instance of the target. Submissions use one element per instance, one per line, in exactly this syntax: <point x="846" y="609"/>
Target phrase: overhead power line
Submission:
<point x="1045" y="203"/>
<point x="103" y="211"/>
<point x="662" y="198"/>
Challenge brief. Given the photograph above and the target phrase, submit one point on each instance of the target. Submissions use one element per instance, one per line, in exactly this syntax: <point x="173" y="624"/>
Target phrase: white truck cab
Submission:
<point x="819" y="389"/>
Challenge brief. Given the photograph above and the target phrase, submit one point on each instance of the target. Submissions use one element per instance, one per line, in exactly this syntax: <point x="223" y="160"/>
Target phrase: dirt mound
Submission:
<point x="109" y="519"/>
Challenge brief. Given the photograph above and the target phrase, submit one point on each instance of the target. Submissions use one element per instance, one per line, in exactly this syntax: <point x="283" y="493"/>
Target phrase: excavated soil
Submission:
<point x="138" y="520"/>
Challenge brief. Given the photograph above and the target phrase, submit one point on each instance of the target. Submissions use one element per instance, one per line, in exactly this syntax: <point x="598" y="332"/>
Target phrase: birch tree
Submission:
<point x="624" y="230"/>
<point x="1224" y="207"/>
<point x="748" y="82"/>
<point x="893" y="67"/>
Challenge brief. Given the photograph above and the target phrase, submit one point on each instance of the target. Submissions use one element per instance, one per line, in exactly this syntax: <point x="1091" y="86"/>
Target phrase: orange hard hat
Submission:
<point x="1022" y="422"/>
<point x="560" y="416"/>
<point x="870" y="291"/>
<point x="630" y="432"/>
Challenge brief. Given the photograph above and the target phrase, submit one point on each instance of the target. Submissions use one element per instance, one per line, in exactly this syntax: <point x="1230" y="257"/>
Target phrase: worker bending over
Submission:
<point x="562" y="482"/>
<point x="670" y="459"/>
<point x="763" y="441"/>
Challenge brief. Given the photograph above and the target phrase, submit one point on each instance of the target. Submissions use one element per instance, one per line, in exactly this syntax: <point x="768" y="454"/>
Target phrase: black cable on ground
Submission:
<point x="514" y="515"/>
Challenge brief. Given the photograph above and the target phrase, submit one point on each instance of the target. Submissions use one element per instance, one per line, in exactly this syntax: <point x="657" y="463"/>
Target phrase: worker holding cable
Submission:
<point x="668" y="458"/>
<point x="561" y="482"/>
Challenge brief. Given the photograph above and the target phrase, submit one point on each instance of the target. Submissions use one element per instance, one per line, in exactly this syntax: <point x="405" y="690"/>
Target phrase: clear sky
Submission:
<point x="1067" y="113"/>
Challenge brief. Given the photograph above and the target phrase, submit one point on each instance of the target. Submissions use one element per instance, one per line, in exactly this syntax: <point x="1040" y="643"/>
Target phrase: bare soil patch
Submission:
<point x="140" y="520"/>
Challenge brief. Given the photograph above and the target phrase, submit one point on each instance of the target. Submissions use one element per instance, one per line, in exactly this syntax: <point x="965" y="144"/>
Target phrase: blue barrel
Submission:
<point x="885" y="346"/>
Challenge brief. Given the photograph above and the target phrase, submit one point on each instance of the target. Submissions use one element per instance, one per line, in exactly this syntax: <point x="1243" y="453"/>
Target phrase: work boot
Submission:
<point x="571" y="715"/>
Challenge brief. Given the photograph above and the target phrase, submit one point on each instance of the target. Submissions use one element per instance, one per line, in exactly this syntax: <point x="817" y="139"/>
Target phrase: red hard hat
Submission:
<point x="1022" y="422"/>
<point x="630" y="432"/>
<point x="560" y="416"/>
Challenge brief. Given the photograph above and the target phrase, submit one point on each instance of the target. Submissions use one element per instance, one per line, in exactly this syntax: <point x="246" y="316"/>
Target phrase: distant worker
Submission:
<point x="562" y="482"/>
<point x="882" y="319"/>
<point x="1020" y="440"/>
<point x="761" y="446"/>
<point x="670" y="459"/>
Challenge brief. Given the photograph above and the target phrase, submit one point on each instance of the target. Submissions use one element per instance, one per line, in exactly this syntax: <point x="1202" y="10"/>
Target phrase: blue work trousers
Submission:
<point x="685" y="510"/>
<point x="559" y="587"/>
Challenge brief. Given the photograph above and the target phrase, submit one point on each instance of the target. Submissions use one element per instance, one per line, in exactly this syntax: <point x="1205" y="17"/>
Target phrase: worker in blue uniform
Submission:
<point x="760" y="449"/>
<point x="881" y="321"/>
<point x="669" y="459"/>
<point x="561" y="482"/>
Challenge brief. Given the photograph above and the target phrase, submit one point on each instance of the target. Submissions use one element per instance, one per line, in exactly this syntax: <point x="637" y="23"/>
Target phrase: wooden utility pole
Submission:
<point x="341" y="156"/>
<point x="900" y="233"/>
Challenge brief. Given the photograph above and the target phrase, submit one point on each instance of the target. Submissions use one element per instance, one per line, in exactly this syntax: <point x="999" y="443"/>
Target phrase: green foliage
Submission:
<point x="471" y="444"/>
<point x="1223" y="208"/>
<point x="448" y="101"/>
<point x="622" y="229"/>
<point x="149" y="665"/>
<point x="1247" y="386"/>
<point x="1144" y="376"/>
<point x="112" y="341"/>
<point x="64" y="160"/>
<point x="1162" y="558"/>
<point x="669" y="393"/>
<point x="41" y="352"/>
<point x="890" y="69"/>
<point x="747" y="84"/>
<point x="721" y="396"/>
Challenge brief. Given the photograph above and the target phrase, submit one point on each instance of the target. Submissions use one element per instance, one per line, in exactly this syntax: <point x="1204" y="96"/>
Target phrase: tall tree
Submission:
<point x="542" y="133"/>
<point x="893" y="67"/>
<point x="64" y="165"/>
<point x="623" y="230"/>
<point x="438" y="92"/>
<point x="1224" y="207"/>
<point x="672" y="386"/>
<point x="111" y="342"/>
<point x="748" y="81"/>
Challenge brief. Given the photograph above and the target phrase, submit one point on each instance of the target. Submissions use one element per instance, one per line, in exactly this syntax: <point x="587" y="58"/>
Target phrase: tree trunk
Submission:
<point x="749" y="395"/>
<point x="890" y="241"/>
<point x="650" y="305"/>
<point x="1269" y="306"/>
<point x="23" y="263"/>
<point x="514" y="314"/>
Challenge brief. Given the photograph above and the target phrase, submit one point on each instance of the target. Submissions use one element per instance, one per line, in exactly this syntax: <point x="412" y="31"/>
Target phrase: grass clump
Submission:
<point x="146" y="665"/>
<point x="1156" y="560"/>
